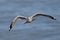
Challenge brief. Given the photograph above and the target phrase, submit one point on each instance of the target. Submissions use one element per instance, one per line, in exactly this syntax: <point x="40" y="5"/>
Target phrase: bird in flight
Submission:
<point x="28" y="19"/>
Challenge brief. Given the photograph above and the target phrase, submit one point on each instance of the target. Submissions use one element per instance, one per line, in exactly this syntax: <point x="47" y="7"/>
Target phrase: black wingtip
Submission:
<point x="54" y="19"/>
<point x="10" y="27"/>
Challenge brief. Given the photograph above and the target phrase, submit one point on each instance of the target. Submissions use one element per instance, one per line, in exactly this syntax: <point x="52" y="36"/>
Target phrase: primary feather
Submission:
<point x="16" y="19"/>
<point x="35" y="15"/>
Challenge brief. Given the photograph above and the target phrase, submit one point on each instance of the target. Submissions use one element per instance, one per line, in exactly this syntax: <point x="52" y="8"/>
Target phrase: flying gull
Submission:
<point x="28" y="19"/>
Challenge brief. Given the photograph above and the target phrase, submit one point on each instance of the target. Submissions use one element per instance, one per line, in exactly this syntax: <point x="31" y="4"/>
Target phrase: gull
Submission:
<point x="28" y="19"/>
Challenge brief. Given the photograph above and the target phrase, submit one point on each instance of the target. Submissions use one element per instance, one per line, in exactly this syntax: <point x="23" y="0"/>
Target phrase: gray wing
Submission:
<point x="35" y="15"/>
<point x="16" y="19"/>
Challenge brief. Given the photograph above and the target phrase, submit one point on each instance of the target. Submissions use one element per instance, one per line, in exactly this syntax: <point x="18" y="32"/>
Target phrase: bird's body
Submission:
<point x="28" y="19"/>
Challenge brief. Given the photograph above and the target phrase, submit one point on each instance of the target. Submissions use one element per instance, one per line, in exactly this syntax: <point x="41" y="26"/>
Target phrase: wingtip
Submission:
<point x="54" y="19"/>
<point x="9" y="29"/>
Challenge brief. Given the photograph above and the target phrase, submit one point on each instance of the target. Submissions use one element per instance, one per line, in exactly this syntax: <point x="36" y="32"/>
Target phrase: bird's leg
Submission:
<point x="54" y="19"/>
<point x="27" y="22"/>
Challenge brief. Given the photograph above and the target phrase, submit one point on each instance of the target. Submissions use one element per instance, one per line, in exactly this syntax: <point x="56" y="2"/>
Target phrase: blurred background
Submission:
<point x="42" y="28"/>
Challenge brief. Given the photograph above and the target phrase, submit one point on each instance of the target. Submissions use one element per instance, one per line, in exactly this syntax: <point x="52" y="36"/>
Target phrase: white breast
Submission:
<point x="30" y="19"/>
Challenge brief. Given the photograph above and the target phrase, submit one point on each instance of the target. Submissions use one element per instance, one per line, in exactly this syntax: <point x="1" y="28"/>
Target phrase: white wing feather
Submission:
<point x="15" y="20"/>
<point x="35" y="15"/>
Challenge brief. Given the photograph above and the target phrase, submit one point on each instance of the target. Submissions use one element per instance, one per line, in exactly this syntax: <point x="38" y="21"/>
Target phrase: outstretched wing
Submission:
<point x="35" y="15"/>
<point x="16" y="19"/>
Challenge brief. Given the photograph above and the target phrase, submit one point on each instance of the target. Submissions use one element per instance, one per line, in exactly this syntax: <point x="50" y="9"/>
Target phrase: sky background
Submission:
<point x="42" y="28"/>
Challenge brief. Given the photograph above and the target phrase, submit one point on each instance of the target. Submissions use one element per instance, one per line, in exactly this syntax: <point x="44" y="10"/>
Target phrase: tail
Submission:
<point x="27" y="22"/>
